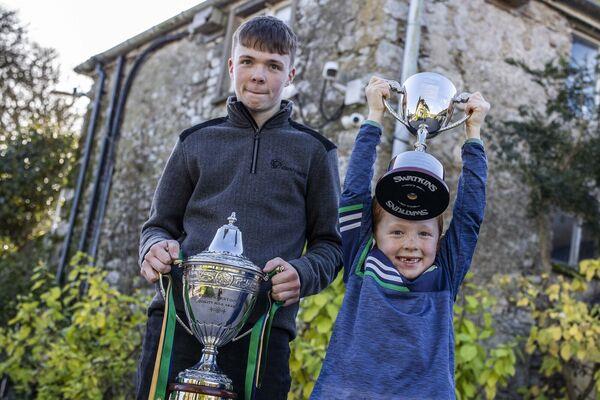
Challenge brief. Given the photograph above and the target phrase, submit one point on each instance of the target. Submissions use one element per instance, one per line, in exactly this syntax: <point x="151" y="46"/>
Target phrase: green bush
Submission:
<point x="64" y="344"/>
<point x="316" y="318"/>
<point x="479" y="368"/>
<point x="565" y="333"/>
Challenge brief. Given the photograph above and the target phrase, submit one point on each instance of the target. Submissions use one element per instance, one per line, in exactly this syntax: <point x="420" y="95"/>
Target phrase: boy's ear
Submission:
<point x="291" y="76"/>
<point x="230" y="67"/>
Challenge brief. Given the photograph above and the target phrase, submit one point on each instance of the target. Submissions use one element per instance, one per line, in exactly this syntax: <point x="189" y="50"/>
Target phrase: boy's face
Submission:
<point x="410" y="245"/>
<point x="259" y="78"/>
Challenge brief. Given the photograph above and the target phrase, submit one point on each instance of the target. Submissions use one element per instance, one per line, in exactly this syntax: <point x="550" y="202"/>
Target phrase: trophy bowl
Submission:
<point x="220" y="287"/>
<point x="427" y="101"/>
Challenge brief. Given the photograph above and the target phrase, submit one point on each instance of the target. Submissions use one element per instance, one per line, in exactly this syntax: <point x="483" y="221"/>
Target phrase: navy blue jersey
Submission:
<point x="393" y="337"/>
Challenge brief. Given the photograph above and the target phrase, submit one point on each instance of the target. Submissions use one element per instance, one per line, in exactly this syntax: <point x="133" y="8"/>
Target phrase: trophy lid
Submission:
<point x="228" y="238"/>
<point x="225" y="248"/>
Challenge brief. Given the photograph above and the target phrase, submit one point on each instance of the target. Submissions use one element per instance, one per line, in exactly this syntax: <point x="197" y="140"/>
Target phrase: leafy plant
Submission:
<point x="37" y="143"/>
<point x="480" y="368"/>
<point x="75" y="342"/>
<point x="37" y="153"/>
<point x="565" y="333"/>
<point x="316" y="318"/>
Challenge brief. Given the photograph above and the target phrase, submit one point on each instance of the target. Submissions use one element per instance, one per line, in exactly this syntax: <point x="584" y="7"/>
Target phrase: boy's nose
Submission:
<point x="409" y="243"/>
<point x="258" y="76"/>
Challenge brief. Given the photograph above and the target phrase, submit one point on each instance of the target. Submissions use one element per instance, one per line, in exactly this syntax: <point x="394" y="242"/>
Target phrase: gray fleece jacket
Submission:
<point x="281" y="180"/>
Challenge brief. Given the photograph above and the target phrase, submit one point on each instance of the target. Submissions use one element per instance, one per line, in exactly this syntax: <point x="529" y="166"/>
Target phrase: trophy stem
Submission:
<point x="421" y="137"/>
<point x="208" y="362"/>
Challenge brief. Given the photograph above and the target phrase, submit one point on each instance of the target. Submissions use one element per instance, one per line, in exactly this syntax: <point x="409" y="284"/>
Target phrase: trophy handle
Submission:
<point x="395" y="87"/>
<point x="164" y="295"/>
<point x="461" y="98"/>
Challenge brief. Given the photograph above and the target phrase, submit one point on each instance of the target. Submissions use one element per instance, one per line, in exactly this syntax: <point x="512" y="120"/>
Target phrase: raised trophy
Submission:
<point x="413" y="188"/>
<point x="220" y="287"/>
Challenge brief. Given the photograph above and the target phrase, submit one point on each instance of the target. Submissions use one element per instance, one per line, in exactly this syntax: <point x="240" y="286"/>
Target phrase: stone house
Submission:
<point x="172" y="76"/>
<point x="156" y="84"/>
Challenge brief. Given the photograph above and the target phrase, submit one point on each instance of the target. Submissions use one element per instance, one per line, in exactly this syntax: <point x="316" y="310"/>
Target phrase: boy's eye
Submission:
<point x="397" y="233"/>
<point x="275" y="67"/>
<point x="425" y="233"/>
<point x="245" y="62"/>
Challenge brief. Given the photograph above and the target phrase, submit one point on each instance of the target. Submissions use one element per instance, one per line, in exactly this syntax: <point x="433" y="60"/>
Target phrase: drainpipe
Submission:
<point x="409" y="67"/>
<point x="87" y="151"/>
<point x="102" y="155"/>
<point x="116" y="131"/>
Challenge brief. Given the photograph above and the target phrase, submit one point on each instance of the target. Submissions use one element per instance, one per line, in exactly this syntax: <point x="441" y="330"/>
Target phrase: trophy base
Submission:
<point x="201" y="385"/>
<point x="185" y="391"/>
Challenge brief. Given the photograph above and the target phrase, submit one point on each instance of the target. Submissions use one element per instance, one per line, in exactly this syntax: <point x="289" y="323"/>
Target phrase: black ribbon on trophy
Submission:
<point x="413" y="187"/>
<point x="220" y="287"/>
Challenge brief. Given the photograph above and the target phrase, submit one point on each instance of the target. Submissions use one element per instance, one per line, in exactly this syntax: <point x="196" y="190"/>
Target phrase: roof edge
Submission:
<point x="582" y="10"/>
<point x="179" y="20"/>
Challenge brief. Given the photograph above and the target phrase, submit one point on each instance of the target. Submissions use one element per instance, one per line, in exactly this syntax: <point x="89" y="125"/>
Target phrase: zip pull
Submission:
<point x="255" y="152"/>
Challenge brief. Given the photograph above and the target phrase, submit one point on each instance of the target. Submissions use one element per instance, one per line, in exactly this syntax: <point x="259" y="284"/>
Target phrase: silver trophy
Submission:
<point x="220" y="287"/>
<point x="413" y="187"/>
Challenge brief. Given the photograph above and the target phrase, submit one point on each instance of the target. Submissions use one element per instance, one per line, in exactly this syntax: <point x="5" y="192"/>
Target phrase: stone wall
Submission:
<point x="467" y="41"/>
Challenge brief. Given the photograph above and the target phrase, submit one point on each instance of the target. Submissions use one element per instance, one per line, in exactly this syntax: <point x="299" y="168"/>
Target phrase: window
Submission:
<point x="283" y="10"/>
<point x="584" y="56"/>
<point x="572" y="241"/>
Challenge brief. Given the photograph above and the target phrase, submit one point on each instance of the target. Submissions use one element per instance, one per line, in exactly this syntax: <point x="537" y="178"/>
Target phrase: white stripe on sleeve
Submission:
<point x="350" y="226"/>
<point x="350" y="217"/>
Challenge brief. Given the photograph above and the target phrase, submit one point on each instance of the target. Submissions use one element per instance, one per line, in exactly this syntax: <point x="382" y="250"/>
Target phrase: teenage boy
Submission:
<point x="280" y="178"/>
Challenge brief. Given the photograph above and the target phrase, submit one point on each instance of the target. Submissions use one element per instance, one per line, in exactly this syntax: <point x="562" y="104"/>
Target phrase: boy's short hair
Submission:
<point x="378" y="212"/>
<point x="266" y="33"/>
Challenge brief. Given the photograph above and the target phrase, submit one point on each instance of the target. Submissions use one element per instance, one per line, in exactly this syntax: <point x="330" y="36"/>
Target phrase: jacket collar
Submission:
<point x="240" y="116"/>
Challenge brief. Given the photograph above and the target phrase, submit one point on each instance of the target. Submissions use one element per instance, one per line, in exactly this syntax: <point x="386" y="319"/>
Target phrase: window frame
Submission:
<point x="577" y="224"/>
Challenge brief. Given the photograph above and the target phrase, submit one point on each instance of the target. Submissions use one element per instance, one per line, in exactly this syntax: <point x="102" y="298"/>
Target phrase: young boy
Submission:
<point x="393" y="336"/>
<point x="279" y="177"/>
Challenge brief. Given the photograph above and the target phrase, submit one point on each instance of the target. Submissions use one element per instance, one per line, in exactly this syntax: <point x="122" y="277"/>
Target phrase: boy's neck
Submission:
<point x="263" y="116"/>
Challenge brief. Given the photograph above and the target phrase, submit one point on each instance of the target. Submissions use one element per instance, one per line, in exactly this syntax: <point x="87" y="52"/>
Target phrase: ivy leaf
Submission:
<point x="468" y="352"/>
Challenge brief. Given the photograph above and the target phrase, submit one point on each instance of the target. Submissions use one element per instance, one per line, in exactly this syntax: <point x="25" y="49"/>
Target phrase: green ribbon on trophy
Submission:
<point x="158" y="388"/>
<point x="259" y="340"/>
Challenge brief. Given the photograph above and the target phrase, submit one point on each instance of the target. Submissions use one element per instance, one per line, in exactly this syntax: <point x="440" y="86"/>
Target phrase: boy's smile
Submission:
<point x="259" y="78"/>
<point x="410" y="245"/>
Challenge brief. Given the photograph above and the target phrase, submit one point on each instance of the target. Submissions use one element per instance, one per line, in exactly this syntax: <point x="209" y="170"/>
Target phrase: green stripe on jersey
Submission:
<point x="351" y="208"/>
<point x="363" y="255"/>
<point x="386" y="285"/>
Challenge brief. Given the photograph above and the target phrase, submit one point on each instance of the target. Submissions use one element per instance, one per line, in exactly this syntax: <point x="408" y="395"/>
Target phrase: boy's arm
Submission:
<point x="460" y="240"/>
<point x="357" y="184"/>
<point x="318" y="267"/>
<point x="170" y="199"/>
<point x="458" y="246"/>
<point x="355" y="203"/>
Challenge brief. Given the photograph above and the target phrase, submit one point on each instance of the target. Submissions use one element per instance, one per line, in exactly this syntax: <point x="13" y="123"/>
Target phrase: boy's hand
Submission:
<point x="478" y="108"/>
<point x="286" y="284"/>
<point x="376" y="91"/>
<point x="159" y="259"/>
